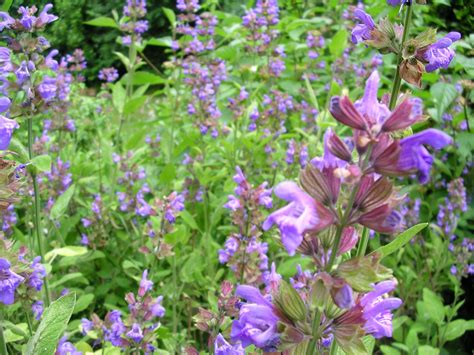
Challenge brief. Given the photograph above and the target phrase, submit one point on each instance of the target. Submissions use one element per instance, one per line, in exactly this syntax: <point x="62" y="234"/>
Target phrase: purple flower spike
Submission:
<point x="157" y="309"/>
<point x="361" y="32"/>
<point x="439" y="55"/>
<point x="37" y="309"/>
<point x="222" y="347"/>
<point x="415" y="158"/>
<point x="301" y="215"/>
<point x="9" y="281"/>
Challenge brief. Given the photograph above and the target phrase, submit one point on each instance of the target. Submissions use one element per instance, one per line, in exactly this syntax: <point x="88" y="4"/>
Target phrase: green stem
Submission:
<point x="397" y="81"/>
<point x="363" y="242"/>
<point x="333" y="348"/>
<point x="175" y="296"/>
<point x="3" y="343"/>
<point x="316" y="324"/>
<point x="37" y="206"/>
<point x="28" y="320"/>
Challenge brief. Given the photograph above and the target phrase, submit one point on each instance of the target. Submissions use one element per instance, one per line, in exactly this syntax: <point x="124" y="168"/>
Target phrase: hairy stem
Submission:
<point x="361" y="249"/>
<point x="397" y="81"/>
<point x="37" y="207"/>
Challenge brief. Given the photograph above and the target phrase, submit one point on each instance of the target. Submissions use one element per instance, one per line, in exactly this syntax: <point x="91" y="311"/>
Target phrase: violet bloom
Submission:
<point x="415" y="158"/>
<point x="145" y="284"/>
<point x="439" y="55"/>
<point x="9" y="281"/>
<point x="4" y="103"/>
<point x="222" y="347"/>
<point x="86" y="325"/>
<point x="66" y="348"/>
<point x="157" y="309"/>
<point x="45" y="18"/>
<point x="37" y="309"/>
<point x="394" y="2"/>
<point x="301" y="215"/>
<point x="47" y="89"/>
<point x="362" y="31"/>
<point x="39" y="273"/>
<point x="233" y="203"/>
<point x="377" y="309"/>
<point x="257" y="323"/>
<point x="5" y="21"/>
<point x="108" y="74"/>
<point x="135" y="333"/>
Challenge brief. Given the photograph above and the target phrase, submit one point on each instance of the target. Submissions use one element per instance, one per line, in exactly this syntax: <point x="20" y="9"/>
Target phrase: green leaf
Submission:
<point x="143" y="77"/>
<point x="83" y="302"/>
<point x="52" y="326"/>
<point x="160" y="42"/>
<point x="455" y="329"/>
<point x="443" y="94"/>
<point x="433" y="306"/>
<point x="338" y="43"/>
<point x="400" y="240"/>
<point x="133" y="105"/>
<point x="387" y="350"/>
<point x="6" y="5"/>
<point x="427" y="350"/>
<point x="61" y="204"/>
<point x="66" y="251"/>
<point x="170" y="15"/>
<point x="189" y="219"/>
<point x="42" y="163"/>
<point x="103" y="22"/>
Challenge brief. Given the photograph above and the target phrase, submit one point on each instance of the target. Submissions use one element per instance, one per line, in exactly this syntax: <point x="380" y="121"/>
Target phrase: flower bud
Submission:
<point x="289" y="302"/>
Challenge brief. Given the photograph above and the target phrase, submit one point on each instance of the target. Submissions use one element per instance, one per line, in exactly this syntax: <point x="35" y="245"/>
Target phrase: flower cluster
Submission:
<point x="137" y="330"/>
<point x="455" y="204"/>
<point x="20" y="279"/>
<point x="56" y="181"/>
<point x="132" y="24"/>
<point x="108" y="75"/>
<point x="344" y="191"/>
<point x="243" y="252"/>
<point x="419" y="54"/>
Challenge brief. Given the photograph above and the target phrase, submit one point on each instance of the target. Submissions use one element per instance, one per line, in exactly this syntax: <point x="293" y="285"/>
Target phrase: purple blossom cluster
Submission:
<point x="20" y="279"/>
<point x="454" y="205"/>
<point x="296" y="153"/>
<point x="133" y="26"/>
<point x="108" y="75"/>
<point x="260" y="22"/>
<point x="243" y="251"/>
<point x="56" y="181"/>
<point x="137" y="331"/>
<point x="93" y="224"/>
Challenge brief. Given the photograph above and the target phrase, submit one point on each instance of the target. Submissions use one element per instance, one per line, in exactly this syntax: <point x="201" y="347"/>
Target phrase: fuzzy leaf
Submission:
<point x="52" y="326"/>
<point x="400" y="240"/>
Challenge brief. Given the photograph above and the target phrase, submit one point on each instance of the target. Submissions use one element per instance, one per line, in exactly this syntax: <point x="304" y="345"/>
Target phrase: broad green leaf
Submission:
<point x="15" y="332"/>
<point x="189" y="219"/>
<point x="42" y="163"/>
<point x="400" y="240"/>
<point x="143" y="77"/>
<point x="433" y="306"/>
<point x="6" y="5"/>
<point x="118" y="96"/>
<point x="66" y="251"/>
<point x="133" y="105"/>
<point x="61" y="204"/>
<point x="52" y="326"/>
<point x="160" y="42"/>
<point x="427" y="350"/>
<point x="455" y="329"/>
<point x="387" y="350"/>
<point x="103" y="22"/>
<point x="18" y="147"/>
<point x="443" y="94"/>
<point x="338" y="43"/>
<point x="170" y="16"/>
<point x="83" y="302"/>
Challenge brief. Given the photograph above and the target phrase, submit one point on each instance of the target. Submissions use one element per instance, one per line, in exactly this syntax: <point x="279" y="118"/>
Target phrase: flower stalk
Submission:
<point x="37" y="206"/>
<point x="3" y="344"/>
<point x="398" y="79"/>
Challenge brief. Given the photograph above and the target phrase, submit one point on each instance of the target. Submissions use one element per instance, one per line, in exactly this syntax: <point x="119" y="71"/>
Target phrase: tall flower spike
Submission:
<point x="302" y="215"/>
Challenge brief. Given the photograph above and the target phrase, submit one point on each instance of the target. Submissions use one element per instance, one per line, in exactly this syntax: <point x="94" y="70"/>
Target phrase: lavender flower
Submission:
<point x="439" y="55"/>
<point x="222" y="347"/>
<point x="362" y="31"/>
<point x="37" y="309"/>
<point x="108" y="74"/>
<point x="145" y="284"/>
<point x="257" y="323"/>
<point x="6" y="131"/>
<point x="66" y="348"/>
